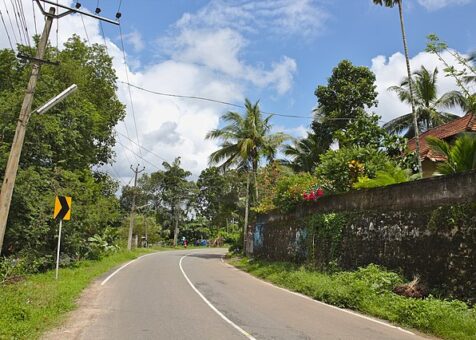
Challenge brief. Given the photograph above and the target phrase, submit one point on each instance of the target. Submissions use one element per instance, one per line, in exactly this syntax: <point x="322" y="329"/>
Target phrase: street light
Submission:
<point x="14" y="157"/>
<point x="55" y="100"/>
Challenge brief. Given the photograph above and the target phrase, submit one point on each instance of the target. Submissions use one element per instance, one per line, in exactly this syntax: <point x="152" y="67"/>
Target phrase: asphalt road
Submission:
<point x="168" y="296"/>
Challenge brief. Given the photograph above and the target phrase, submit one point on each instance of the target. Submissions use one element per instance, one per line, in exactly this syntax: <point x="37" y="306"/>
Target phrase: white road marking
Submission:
<point x="125" y="265"/>
<point x="319" y="302"/>
<point x="220" y="314"/>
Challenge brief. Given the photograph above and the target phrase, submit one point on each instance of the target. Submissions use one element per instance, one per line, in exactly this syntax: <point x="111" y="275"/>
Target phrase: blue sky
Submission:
<point x="277" y="51"/>
<point x="349" y="29"/>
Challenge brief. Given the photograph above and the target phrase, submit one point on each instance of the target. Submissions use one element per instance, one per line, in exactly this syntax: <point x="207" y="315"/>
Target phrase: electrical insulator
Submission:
<point x="98" y="10"/>
<point x="118" y="15"/>
<point x="78" y="5"/>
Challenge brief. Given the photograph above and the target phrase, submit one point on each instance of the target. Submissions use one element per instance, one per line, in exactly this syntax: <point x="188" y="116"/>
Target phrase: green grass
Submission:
<point x="38" y="303"/>
<point x="368" y="290"/>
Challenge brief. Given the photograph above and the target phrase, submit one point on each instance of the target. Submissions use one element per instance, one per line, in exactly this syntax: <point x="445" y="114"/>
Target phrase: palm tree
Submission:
<point x="391" y="3"/>
<point x="428" y="104"/>
<point x="244" y="142"/>
<point x="304" y="153"/>
<point x="459" y="157"/>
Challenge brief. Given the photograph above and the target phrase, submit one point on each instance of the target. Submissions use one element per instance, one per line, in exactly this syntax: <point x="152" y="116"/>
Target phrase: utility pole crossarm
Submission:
<point x="70" y="10"/>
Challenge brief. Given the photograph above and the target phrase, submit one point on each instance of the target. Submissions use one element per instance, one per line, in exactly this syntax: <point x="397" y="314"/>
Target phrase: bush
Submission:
<point x="289" y="190"/>
<point x="340" y="169"/>
<point x="369" y="290"/>
<point x="390" y="175"/>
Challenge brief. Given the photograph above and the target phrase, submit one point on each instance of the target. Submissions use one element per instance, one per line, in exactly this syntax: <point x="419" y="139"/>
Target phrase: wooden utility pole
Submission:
<point x="25" y="112"/>
<point x="133" y="207"/>
<point x="17" y="144"/>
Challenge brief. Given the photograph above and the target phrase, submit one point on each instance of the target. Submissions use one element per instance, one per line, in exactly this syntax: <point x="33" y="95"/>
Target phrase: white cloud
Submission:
<point x="201" y="60"/>
<point x="303" y="18"/>
<point x="134" y="38"/>
<point x="438" y="4"/>
<point x="391" y="71"/>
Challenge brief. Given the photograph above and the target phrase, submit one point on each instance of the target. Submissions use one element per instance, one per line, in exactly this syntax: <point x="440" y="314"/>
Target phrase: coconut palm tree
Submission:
<point x="459" y="157"/>
<point x="391" y="3"/>
<point x="428" y="105"/>
<point x="244" y="142"/>
<point x="304" y="153"/>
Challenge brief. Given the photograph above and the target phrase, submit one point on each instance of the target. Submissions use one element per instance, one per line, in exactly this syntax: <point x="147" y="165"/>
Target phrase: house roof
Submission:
<point x="466" y="123"/>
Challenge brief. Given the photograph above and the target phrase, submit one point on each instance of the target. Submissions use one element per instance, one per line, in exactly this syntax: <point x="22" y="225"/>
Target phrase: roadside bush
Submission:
<point x="289" y="190"/>
<point x="11" y="269"/>
<point x="340" y="169"/>
<point x="369" y="290"/>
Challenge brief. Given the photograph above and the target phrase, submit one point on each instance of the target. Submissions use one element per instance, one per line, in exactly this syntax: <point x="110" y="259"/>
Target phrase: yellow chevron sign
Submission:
<point x="62" y="208"/>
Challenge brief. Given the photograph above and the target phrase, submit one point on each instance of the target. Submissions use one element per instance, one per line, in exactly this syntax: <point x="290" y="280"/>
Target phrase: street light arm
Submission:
<point x="55" y="100"/>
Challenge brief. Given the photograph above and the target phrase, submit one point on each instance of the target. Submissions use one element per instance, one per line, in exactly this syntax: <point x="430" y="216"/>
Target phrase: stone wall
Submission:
<point x="425" y="228"/>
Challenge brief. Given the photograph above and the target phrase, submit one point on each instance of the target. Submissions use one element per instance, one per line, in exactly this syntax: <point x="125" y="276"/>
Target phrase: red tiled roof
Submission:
<point x="466" y="123"/>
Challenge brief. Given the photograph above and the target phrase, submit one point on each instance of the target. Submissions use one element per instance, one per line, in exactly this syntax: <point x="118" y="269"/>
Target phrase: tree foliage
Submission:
<point x="340" y="169"/>
<point x="459" y="157"/>
<point x="428" y="103"/>
<point x="218" y="196"/>
<point x="61" y="148"/>
<point x="349" y="90"/>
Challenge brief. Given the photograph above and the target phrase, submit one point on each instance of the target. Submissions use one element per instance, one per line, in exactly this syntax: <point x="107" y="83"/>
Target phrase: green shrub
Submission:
<point x="289" y="190"/>
<point x="340" y="169"/>
<point x="390" y="175"/>
<point x="369" y="290"/>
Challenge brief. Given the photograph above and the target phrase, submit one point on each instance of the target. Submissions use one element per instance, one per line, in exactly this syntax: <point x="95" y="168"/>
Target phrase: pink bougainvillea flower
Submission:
<point x="320" y="192"/>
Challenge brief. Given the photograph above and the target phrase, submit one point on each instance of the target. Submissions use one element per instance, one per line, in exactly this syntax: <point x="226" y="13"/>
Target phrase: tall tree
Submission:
<point x="245" y="140"/>
<point x="427" y="103"/>
<point x="391" y="4"/>
<point x="464" y="75"/>
<point x="349" y="90"/>
<point x="304" y="153"/>
<point x="170" y="191"/>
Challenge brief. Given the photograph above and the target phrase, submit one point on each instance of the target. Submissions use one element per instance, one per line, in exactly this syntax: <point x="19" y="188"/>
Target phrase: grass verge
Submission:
<point x="368" y="290"/>
<point x="38" y="303"/>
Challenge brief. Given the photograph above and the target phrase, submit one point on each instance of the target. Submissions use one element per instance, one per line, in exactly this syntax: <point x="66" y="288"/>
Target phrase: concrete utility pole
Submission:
<point x="133" y="208"/>
<point x="25" y="112"/>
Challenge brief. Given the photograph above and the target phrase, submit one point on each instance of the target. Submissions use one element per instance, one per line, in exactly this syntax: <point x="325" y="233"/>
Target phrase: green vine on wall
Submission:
<point x="325" y="239"/>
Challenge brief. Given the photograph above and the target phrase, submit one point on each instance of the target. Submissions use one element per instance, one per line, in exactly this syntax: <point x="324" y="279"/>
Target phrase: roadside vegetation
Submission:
<point x="38" y="302"/>
<point x="370" y="290"/>
<point x="345" y="148"/>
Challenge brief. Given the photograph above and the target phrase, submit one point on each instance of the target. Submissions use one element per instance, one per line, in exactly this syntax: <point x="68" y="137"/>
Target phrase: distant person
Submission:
<point x="185" y="242"/>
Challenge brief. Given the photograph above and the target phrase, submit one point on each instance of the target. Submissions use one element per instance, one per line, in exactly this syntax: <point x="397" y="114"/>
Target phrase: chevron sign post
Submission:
<point x="62" y="212"/>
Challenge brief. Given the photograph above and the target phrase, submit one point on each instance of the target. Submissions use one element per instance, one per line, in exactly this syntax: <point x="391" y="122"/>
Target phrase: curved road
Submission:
<point x="195" y="295"/>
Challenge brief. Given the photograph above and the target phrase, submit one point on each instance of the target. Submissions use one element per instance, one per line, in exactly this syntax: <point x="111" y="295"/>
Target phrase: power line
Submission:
<point x="85" y="31"/>
<point x="25" y="26"/>
<point x="107" y="51"/>
<point x="125" y="154"/>
<point x="143" y="147"/>
<point x="206" y="99"/>
<point x="145" y="160"/>
<point x="5" y="26"/>
<point x="129" y="88"/>
<point x="226" y="103"/>
<point x="57" y="30"/>
<point x="34" y="17"/>
<point x="21" y="18"/>
<point x="11" y="23"/>
<point x="117" y="176"/>
<point x="21" y="15"/>
<point x="18" y="25"/>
